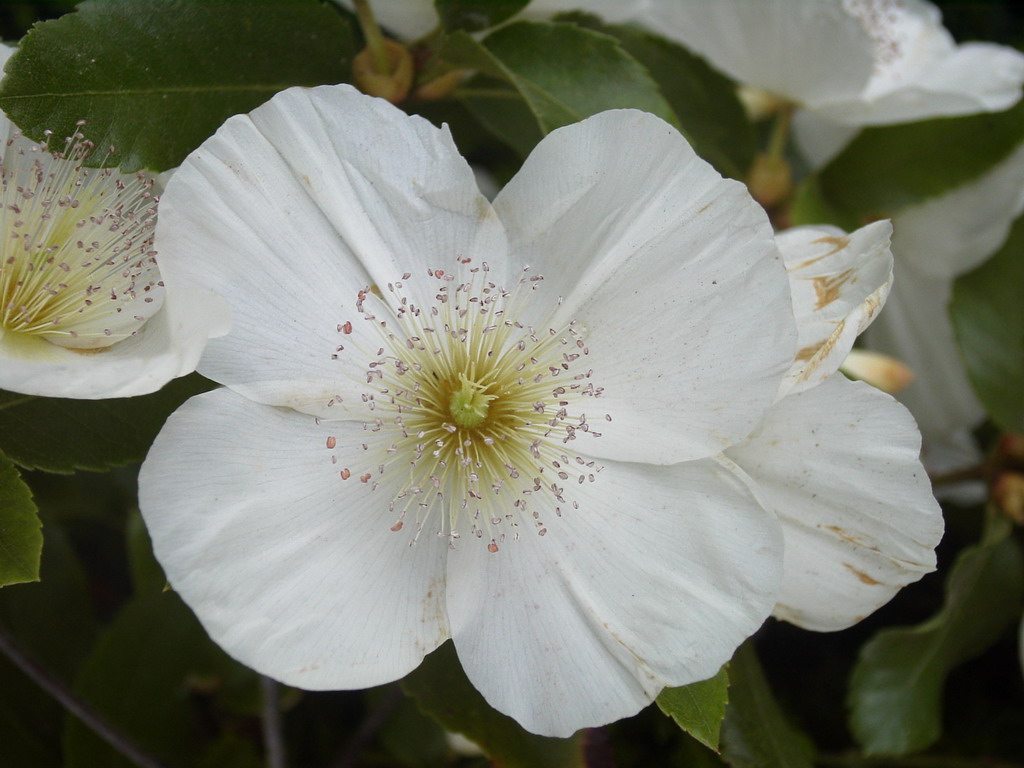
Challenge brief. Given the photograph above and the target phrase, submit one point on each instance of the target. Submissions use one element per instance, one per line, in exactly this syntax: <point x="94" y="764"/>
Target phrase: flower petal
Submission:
<point x="292" y="570"/>
<point x="838" y="283"/>
<point x="949" y="235"/>
<point x="807" y="51"/>
<point x="672" y="271"/>
<point x="915" y="328"/>
<point x="409" y="19"/>
<point x="6" y="126"/>
<point x="921" y="73"/>
<point x="974" y="78"/>
<point x="654" y="581"/>
<point x="840" y="465"/>
<point x="292" y="210"/>
<point x="820" y="140"/>
<point x="167" y="346"/>
<point x="413" y="19"/>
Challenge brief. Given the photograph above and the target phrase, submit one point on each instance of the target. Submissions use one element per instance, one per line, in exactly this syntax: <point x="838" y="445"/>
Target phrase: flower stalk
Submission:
<point x="384" y="67"/>
<point x="375" y="41"/>
<point x="771" y="178"/>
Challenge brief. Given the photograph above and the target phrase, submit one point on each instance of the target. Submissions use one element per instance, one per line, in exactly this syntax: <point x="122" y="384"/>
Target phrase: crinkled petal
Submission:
<point x="672" y="273"/>
<point x="915" y="328"/>
<point x="946" y="236"/>
<point x="839" y="463"/>
<point x="167" y="346"/>
<point x="653" y="581"/>
<point x="290" y="211"/>
<point x="291" y="569"/>
<point x="838" y="283"/>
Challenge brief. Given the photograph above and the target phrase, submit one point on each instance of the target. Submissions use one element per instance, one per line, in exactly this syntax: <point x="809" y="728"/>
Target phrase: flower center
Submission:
<point x="471" y="411"/>
<point x="469" y="404"/>
<point x="76" y="257"/>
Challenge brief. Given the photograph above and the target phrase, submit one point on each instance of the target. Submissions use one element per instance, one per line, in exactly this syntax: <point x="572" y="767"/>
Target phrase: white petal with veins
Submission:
<point x="839" y="464"/>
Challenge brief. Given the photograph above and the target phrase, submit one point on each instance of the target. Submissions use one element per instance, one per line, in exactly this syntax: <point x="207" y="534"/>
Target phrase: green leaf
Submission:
<point x="443" y="691"/>
<point x="476" y="15"/>
<point x="896" y="688"/>
<point x="504" y="113"/>
<point x="142" y="675"/>
<point x="410" y="737"/>
<point x="755" y="732"/>
<point x="890" y="167"/>
<point x="561" y="73"/>
<point x="53" y="620"/>
<point x="147" y="575"/>
<point x="62" y="435"/>
<point x="709" y="113"/>
<point x="53" y="616"/>
<point x="155" y="78"/>
<point x="21" y="537"/>
<point x="698" y="708"/>
<point x="988" y="316"/>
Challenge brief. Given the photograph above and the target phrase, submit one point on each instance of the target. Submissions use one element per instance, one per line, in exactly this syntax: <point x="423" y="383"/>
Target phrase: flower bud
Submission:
<point x="880" y="371"/>
<point x="771" y="180"/>
<point x="1008" y="495"/>
<point x="394" y="85"/>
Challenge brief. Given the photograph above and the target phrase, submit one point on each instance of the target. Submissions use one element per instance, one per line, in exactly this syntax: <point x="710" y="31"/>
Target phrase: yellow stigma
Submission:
<point x="469" y="405"/>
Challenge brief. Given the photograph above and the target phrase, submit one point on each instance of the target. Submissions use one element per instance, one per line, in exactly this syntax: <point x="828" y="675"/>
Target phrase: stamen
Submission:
<point x="467" y="407"/>
<point x="77" y="265"/>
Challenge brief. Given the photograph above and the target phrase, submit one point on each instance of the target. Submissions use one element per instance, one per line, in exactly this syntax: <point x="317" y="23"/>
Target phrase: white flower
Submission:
<point x="857" y="62"/>
<point x="82" y="310"/>
<point x="934" y="242"/>
<point x="501" y="423"/>
<point x="845" y="63"/>
<point x="838" y="460"/>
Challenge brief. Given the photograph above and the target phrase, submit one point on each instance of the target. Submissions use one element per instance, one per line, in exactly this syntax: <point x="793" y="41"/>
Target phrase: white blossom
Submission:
<point x="82" y="305"/>
<point x="838" y="460"/>
<point x="934" y="242"/>
<point x="845" y="63"/>
<point x="504" y="423"/>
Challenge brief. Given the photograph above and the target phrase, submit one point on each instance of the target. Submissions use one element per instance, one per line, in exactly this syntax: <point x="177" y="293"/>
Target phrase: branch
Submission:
<point x="72" y="703"/>
<point x="273" y="737"/>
